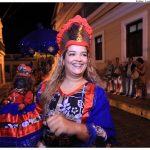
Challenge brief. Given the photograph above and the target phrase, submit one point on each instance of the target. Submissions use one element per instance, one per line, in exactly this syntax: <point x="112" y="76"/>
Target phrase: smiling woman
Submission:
<point x="76" y="109"/>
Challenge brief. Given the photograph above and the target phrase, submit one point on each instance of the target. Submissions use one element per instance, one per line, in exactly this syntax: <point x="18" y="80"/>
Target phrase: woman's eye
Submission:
<point x="84" y="54"/>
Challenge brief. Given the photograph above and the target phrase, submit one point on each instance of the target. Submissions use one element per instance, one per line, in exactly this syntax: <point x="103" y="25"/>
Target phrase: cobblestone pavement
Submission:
<point x="132" y="131"/>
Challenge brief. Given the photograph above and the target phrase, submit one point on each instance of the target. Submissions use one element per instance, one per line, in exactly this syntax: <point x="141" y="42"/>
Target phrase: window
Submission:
<point x="134" y="40"/>
<point x="98" y="48"/>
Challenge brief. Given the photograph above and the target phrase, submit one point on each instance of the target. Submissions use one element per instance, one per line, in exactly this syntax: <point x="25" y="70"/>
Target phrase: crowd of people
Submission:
<point x="126" y="79"/>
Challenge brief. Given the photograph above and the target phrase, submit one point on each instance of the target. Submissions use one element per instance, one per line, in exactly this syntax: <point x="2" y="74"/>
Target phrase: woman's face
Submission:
<point x="75" y="61"/>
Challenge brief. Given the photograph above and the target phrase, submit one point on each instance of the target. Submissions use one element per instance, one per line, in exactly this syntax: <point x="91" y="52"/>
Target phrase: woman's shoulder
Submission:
<point x="98" y="91"/>
<point x="97" y="87"/>
<point x="99" y="96"/>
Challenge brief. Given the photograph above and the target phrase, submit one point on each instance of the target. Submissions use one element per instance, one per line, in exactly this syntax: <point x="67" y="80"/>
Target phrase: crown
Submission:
<point x="75" y="32"/>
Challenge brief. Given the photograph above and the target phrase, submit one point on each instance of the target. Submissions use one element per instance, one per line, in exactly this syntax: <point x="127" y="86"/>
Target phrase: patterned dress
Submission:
<point x="79" y="106"/>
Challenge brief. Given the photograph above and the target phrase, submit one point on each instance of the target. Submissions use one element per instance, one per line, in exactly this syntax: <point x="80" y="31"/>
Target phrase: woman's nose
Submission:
<point x="78" y="57"/>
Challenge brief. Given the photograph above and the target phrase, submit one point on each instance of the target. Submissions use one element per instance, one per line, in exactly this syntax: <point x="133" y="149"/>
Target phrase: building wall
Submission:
<point x="2" y="53"/>
<point x="112" y="42"/>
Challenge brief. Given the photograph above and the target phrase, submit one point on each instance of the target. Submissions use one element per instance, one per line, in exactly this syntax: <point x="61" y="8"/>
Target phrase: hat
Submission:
<point x="75" y="32"/>
<point x="23" y="70"/>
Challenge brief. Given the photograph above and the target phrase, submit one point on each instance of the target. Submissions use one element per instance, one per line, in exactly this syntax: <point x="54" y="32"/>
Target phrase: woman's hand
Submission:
<point x="40" y="145"/>
<point x="60" y="125"/>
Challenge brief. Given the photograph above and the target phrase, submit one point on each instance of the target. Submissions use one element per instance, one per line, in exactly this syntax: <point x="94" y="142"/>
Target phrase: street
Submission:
<point x="132" y="131"/>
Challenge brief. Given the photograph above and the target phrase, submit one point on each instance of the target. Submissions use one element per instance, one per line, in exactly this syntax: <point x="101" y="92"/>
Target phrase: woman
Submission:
<point x="76" y="107"/>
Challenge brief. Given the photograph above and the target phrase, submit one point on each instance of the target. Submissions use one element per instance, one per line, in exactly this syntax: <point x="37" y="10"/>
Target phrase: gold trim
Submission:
<point x="79" y="34"/>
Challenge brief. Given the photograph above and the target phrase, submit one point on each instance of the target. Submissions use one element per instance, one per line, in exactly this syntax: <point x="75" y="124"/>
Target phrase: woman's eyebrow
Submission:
<point x="71" y="51"/>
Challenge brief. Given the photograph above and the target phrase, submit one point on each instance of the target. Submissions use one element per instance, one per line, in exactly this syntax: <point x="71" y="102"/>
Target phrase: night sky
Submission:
<point x="19" y="19"/>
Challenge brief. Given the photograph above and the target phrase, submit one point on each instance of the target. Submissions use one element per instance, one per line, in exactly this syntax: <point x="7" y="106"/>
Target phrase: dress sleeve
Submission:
<point x="40" y="90"/>
<point x="28" y="98"/>
<point x="99" y="124"/>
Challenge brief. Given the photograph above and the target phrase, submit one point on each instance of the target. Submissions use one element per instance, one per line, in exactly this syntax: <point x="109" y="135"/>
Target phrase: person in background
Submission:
<point x="20" y="116"/>
<point x="45" y="73"/>
<point x="129" y="81"/>
<point x="123" y="78"/>
<point x="117" y="77"/>
<point x="45" y="70"/>
<point x="135" y="79"/>
<point x="109" y="77"/>
<point x="141" y="90"/>
<point x="76" y="107"/>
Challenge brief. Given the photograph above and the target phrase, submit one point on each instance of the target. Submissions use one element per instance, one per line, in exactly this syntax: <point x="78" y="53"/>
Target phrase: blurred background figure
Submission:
<point x="20" y="116"/>
<point x="117" y="76"/>
<point x="129" y="81"/>
<point x="141" y="90"/>
<point x="45" y="72"/>
<point x="109" y="76"/>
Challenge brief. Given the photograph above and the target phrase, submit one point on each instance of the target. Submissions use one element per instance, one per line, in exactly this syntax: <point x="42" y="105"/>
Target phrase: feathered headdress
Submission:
<point x="75" y="32"/>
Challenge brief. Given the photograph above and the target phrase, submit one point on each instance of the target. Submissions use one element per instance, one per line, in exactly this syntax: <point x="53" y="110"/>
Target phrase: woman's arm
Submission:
<point x="99" y="123"/>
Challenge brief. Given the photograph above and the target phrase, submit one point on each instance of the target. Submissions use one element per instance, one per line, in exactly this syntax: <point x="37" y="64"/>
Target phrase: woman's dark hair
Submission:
<point x="140" y="60"/>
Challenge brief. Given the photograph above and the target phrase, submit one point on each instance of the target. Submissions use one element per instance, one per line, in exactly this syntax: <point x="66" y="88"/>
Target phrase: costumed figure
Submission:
<point x="20" y="116"/>
<point x="76" y="108"/>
